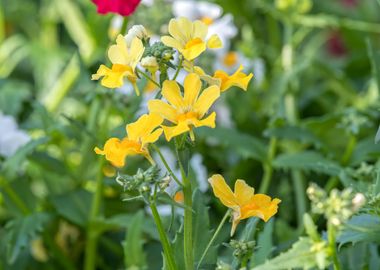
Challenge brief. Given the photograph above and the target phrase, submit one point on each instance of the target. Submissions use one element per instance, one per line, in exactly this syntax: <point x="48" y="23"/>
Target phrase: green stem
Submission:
<point x="178" y="68"/>
<point x="268" y="168"/>
<point x="14" y="197"/>
<point x="213" y="238"/>
<point x="147" y="77"/>
<point x="188" y="219"/>
<point x="299" y="189"/>
<point x="123" y="28"/>
<point x="164" y="240"/>
<point x="331" y="235"/>
<point x="166" y="165"/>
<point x="93" y="233"/>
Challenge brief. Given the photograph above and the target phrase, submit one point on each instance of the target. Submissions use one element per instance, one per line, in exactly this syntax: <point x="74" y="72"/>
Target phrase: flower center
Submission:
<point x="187" y="116"/>
<point x="193" y="42"/>
<point x="207" y="20"/>
<point x="230" y="59"/>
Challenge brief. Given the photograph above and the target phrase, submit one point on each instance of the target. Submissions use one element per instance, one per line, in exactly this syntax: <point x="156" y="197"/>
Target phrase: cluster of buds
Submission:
<point x="223" y="266"/>
<point x="242" y="248"/>
<point x="338" y="206"/>
<point x="366" y="172"/>
<point x="144" y="182"/>
<point x="157" y="57"/>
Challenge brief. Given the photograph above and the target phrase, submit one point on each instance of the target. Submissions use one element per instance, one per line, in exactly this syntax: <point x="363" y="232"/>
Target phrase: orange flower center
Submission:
<point x="230" y="59"/>
<point x="193" y="42"/>
<point x="207" y="20"/>
<point x="187" y="116"/>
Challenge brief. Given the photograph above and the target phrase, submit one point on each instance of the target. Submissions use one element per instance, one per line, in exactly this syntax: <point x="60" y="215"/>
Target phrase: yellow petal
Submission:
<point x="176" y="32"/>
<point x="114" y="151"/>
<point x="214" y="42"/>
<point x="222" y="191"/>
<point x="238" y="79"/>
<point x="200" y="29"/>
<point x="143" y="126"/>
<point x="186" y="27"/>
<point x="243" y="192"/>
<point x="171" y="42"/>
<point x="135" y="52"/>
<point x="192" y="86"/>
<point x="209" y="121"/>
<point x="171" y="132"/>
<point x="206" y="99"/>
<point x="118" y="53"/>
<point x="162" y="108"/>
<point x="112" y="78"/>
<point x="193" y="49"/>
<point x="172" y="93"/>
<point x="235" y="221"/>
<point x="261" y="206"/>
<point x="152" y="137"/>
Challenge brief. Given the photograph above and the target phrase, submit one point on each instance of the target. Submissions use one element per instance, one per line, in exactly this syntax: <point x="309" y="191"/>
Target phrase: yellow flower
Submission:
<point x="238" y="79"/>
<point x="243" y="202"/>
<point x="221" y="78"/>
<point x="124" y="61"/>
<point x="139" y="135"/>
<point x="189" y="38"/>
<point x="187" y="111"/>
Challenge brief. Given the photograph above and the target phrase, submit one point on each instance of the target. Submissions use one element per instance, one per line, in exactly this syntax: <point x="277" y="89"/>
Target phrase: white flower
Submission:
<point x="210" y="14"/>
<point x="11" y="138"/>
<point x="138" y="31"/>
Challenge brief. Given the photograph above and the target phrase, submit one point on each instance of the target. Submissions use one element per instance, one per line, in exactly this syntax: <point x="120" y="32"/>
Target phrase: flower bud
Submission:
<point x="358" y="201"/>
<point x="150" y="63"/>
<point x="138" y="31"/>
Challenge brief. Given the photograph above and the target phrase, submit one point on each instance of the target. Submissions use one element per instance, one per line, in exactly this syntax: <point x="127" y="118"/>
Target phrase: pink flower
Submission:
<point x="122" y="7"/>
<point x="349" y="3"/>
<point x="335" y="45"/>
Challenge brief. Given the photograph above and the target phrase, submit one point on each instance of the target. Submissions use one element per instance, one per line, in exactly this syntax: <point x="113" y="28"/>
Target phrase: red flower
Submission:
<point x="349" y="3"/>
<point x="122" y="7"/>
<point x="335" y="45"/>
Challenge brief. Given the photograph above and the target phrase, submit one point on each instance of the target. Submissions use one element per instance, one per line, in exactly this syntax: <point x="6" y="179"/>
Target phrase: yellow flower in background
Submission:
<point x="189" y="38"/>
<point x="221" y="78"/>
<point x="139" y="135"/>
<point x="124" y="61"/>
<point x="187" y="111"/>
<point x="238" y="79"/>
<point x="243" y="202"/>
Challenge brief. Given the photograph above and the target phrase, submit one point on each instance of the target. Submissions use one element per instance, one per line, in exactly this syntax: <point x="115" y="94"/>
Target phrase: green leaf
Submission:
<point x="298" y="256"/>
<point x="74" y="206"/>
<point x="309" y="161"/>
<point x="264" y="244"/>
<point x="361" y="228"/>
<point x="134" y="255"/>
<point x="243" y="144"/>
<point x="294" y="133"/>
<point x="11" y="101"/>
<point x="21" y="230"/>
<point x="365" y="150"/>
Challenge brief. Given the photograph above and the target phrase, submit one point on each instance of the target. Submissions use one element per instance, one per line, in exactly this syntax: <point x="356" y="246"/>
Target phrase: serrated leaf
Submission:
<point x="298" y="256"/>
<point x="134" y="255"/>
<point x="244" y="144"/>
<point x="361" y="228"/>
<point x="309" y="161"/>
<point x="21" y="230"/>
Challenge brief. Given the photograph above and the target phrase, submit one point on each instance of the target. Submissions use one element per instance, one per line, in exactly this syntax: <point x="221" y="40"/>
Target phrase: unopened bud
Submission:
<point x="150" y="63"/>
<point x="138" y="31"/>
<point x="358" y="201"/>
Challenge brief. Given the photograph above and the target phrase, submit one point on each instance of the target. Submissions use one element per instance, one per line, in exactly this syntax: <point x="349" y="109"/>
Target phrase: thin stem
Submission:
<point x="92" y="236"/>
<point x="147" y="77"/>
<point x="213" y="238"/>
<point x="299" y="189"/>
<point x="331" y="235"/>
<point x="178" y="68"/>
<point x="268" y="168"/>
<point x="164" y="240"/>
<point x="123" y="28"/>
<point x="166" y="165"/>
<point x="14" y="197"/>
<point x="188" y="219"/>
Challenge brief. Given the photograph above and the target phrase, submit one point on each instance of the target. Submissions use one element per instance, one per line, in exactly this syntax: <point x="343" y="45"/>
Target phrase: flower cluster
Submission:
<point x="185" y="105"/>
